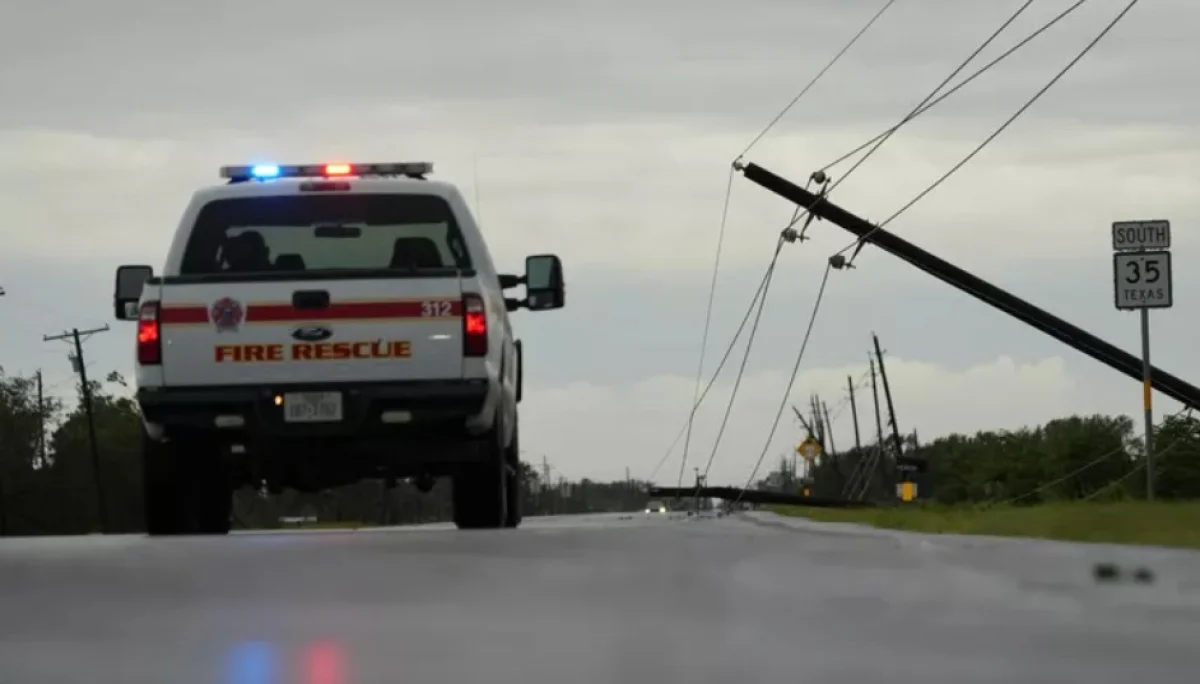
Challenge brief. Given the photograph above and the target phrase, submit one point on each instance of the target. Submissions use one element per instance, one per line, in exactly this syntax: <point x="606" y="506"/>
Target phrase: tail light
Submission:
<point x="149" y="340"/>
<point x="475" y="331"/>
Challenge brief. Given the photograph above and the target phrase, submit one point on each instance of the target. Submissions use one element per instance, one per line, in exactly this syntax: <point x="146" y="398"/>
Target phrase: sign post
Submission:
<point x="1142" y="281"/>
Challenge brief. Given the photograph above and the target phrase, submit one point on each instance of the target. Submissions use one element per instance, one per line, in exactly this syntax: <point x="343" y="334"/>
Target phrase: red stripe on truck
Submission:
<point x="433" y="308"/>
<point x="182" y="315"/>
<point x="271" y="312"/>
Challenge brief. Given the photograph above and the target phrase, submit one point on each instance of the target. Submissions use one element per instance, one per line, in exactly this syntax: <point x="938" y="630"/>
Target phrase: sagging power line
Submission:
<point x="859" y="243"/>
<point x="838" y="260"/>
<point x="696" y="398"/>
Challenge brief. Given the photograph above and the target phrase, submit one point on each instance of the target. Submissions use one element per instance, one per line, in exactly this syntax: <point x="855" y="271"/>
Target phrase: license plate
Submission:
<point x="312" y="407"/>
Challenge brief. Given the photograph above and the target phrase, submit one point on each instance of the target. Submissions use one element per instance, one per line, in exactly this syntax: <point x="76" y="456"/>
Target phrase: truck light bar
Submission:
<point x="267" y="171"/>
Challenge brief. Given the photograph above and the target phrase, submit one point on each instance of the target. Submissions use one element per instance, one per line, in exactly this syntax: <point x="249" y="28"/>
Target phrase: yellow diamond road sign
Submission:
<point x="809" y="449"/>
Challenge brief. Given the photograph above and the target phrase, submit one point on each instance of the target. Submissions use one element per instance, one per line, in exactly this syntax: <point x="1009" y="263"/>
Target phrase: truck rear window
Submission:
<point x="321" y="232"/>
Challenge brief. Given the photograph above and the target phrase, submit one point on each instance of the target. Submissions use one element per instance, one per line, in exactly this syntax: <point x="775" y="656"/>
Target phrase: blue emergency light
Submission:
<point x="237" y="174"/>
<point x="265" y="171"/>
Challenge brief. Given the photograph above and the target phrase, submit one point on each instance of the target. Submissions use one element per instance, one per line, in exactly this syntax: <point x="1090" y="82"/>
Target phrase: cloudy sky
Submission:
<point x="603" y="132"/>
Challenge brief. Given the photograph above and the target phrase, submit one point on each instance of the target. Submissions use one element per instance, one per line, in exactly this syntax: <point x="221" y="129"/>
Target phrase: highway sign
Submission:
<point x="1142" y="280"/>
<point x="810" y="449"/>
<point x="1141" y="235"/>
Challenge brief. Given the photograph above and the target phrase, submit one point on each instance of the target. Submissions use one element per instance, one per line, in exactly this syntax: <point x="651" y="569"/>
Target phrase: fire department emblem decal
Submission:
<point x="227" y="314"/>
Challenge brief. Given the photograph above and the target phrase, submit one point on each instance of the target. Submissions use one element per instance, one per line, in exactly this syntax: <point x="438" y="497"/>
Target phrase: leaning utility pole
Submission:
<point x="875" y="395"/>
<point x="86" y="391"/>
<point x="828" y="429"/>
<point x="854" y="413"/>
<point x="816" y="416"/>
<point x="873" y="460"/>
<point x="888" y="395"/>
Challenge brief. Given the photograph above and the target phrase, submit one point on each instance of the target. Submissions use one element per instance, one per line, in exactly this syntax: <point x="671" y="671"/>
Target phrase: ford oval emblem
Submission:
<point x="312" y="333"/>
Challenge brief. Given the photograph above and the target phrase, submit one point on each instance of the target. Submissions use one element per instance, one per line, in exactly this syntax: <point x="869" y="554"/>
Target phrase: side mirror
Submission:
<point x="544" y="282"/>
<point x="508" y="281"/>
<point x="131" y="280"/>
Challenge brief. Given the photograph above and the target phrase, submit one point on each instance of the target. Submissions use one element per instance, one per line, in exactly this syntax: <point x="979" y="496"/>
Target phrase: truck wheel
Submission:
<point x="513" y="483"/>
<point x="185" y="488"/>
<point x="480" y="489"/>
<point x="162" y="498"/>
<point x="211" y="493"/>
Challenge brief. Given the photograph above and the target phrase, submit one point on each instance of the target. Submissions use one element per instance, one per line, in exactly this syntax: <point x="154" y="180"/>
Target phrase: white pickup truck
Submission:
<point x="315" y="325"/>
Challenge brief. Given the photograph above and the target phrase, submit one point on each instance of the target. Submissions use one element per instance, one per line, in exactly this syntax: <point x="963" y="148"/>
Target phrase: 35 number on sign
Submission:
<point x="1142" y="280"/>
<point x="436" y="309"/>
<point x="1136" y="275"/>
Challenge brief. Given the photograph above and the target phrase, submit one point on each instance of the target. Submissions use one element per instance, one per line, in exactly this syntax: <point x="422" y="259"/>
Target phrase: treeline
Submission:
<point x="48" y="477"/>
<point x="1076" y="458"/>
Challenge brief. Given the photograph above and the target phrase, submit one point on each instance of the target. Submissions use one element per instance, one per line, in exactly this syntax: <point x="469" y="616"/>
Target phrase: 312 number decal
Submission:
<point x="437" y="309"/>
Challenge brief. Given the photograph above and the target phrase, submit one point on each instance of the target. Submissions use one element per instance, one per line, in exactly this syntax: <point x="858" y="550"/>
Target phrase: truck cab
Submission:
<point x="315" y="325"/>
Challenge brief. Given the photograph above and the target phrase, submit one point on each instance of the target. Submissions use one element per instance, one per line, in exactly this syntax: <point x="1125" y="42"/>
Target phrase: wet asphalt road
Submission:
<point x="591" y="599"/>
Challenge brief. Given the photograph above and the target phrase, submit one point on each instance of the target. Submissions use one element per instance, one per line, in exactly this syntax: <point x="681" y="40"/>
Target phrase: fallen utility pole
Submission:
<point x="1071" y="335"/>
<point x="86" y="391"/>
<point x="756" y="496"/>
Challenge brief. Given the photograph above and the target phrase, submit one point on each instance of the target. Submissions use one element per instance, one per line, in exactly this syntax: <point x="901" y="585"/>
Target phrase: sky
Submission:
<point x="604" y="132"/>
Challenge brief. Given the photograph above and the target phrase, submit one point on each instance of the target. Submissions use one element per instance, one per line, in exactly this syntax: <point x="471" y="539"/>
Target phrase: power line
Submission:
<point x="926" y="104"/>
<point x="721" y="365"/>
<point x="812" y="320"/>
<point x="785" y="235"/>
<point x="1004" y="126"/>
<point x="941" y="98"/>
<point x="724" y="222"/>
<point x="816" y="78"/>
<point x="712" y="293"/>
<point x="742" y="369"/>
<point x="912" y="114"/>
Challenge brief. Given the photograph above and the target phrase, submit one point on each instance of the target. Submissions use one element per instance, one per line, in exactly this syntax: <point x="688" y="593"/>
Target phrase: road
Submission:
<point x="591" y="599"/>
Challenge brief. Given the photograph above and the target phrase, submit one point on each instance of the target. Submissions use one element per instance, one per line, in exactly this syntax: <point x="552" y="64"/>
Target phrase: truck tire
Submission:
<point x="513" y="482"/>
<point x="480" y="490"/>
<point x="185" y="489"/>
<point x="162" y="505"/>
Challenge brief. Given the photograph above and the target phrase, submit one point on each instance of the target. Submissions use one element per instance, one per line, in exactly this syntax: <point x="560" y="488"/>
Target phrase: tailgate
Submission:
<point x="312" y="332"/>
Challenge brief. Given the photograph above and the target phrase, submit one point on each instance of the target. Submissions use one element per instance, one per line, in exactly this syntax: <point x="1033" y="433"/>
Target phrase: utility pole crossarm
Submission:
<point x="1071" y="335"/>
<point x="70" y="334"/>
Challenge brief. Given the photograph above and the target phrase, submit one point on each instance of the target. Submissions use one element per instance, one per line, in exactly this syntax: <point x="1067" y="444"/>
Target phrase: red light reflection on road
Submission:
<point x="323" y="664"/>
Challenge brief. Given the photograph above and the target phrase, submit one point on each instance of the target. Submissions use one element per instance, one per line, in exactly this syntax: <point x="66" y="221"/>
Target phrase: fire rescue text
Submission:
<point x="312" y="351"/>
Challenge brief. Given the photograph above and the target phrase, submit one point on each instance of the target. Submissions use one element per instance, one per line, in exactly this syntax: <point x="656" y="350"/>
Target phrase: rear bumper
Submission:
<point x="434" y="410"/>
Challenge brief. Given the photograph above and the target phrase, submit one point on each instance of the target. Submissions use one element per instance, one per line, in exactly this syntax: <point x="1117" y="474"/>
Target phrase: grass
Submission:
<point x="1175" y="524"/>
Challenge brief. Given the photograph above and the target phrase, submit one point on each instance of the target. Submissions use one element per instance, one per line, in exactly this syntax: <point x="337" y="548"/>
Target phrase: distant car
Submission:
<point x="656" y="507"/>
